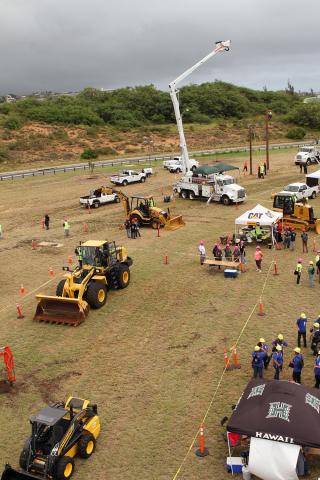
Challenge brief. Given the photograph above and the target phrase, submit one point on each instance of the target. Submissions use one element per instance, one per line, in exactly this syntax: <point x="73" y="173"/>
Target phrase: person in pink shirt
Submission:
<point x="258" y="258"/>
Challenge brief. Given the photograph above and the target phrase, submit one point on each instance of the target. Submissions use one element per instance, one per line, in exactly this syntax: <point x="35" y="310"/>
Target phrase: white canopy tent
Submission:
<point x="261" y="215"/>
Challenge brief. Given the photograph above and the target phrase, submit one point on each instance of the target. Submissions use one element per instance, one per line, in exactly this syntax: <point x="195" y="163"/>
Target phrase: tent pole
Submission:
<point x="229" y="452"/>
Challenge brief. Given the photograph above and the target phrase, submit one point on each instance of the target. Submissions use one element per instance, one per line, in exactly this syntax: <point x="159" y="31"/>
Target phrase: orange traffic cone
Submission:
<point x="22" y="290"/>
<point x="261" y="312"/>
<point x="202" y="450"/>
<point x="226" y="361"/>
<point x="19" y="310"/>
<point x="275" y="267"/>
<point x="236" y="364"/>
<point x="166" y="259"/>
<point x="51" y="272"/>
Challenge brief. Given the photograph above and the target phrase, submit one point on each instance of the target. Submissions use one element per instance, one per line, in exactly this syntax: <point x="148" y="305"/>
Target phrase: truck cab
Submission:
<point x="307" y="155"/>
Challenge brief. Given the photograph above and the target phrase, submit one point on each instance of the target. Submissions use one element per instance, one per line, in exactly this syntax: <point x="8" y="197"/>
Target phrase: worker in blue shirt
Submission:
<point x="297" y="363"/>
<point x="277" y="361"/>
<point x="302" y="329"/>
<point x="257" y="362"/>
<point x="279" y="341"/>
<point x="317" y="370"/>
<point x="264" y="347"/>
<point x="315" y="337"/>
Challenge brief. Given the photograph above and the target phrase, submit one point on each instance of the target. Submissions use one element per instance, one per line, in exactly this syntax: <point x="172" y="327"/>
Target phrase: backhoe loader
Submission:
<point x="58" y="433"/>
<point x="298" y="215"/>
<point x="144" y="210"/>
<point x="103" y="266"/>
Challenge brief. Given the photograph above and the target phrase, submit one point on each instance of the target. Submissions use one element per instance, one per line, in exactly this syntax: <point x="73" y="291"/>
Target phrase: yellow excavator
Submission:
<point x="295" y="214"/>
<point x="102" y="265"/>
<point x="144" y="210"/>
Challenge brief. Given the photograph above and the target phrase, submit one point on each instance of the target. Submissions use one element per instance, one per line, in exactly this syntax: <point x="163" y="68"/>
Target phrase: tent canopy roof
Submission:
<point x="211" y="169"/>
<point x="278" y="410"/>
<point x="259" y="214"/>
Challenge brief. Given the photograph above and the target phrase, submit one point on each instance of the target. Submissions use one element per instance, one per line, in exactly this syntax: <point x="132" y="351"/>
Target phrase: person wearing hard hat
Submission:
<point x="202" y="252"/>
<point x="297" y="363"/>
<point x="293" y="239"/>
<point x="258" y="258"/>
<point x="302" y="329"/>
<point x="311" y="272"/>
<point x="315" y="337"/>
<point x="298" y="270"/>
<point x="264" y="348"/>
<point x="277" y="361"/>
<point x="316" y="370"/>
<point x="279" y="341"/>
<point x="257" y="362"/>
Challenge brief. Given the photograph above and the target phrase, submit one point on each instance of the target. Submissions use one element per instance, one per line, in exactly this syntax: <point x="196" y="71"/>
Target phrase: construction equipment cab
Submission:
<point x="295" y="214"/>
<point x="58" y="433"/>
<point x="103" y="266"/>
<point x="143" y="210"/>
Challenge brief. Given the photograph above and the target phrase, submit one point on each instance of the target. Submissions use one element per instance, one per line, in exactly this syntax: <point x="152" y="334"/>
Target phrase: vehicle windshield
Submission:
<point x="306" y="149"/>
<point x="95" y="256"/>
<point x="229" y="181"/>
<point x="291" y="188"/>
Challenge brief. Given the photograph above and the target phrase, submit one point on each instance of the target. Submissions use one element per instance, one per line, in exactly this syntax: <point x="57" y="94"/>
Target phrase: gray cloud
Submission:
<point x="55" y="45"/>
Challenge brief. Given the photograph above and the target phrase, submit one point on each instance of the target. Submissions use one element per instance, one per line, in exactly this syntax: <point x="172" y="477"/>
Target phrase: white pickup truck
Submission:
<point x="175" y="165"/>
<point x="307" y="155"/>
<point x="301" y="190"/>
<point x="98" y="197"/>
<point x="131" y="176"/>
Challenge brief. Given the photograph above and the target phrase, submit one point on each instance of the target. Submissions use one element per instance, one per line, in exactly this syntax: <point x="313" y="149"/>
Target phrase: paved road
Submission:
<point x="121" y="161"/>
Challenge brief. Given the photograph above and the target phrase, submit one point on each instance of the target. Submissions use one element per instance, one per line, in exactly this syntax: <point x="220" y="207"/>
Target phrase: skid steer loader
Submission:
<point x="58" y="433"/>
<point x="144" y="210"/>
<point x="103" y="266"/>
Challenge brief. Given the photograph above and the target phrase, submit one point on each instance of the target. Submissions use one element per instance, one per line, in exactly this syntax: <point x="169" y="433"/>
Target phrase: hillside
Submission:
<point x="59" y="129"/>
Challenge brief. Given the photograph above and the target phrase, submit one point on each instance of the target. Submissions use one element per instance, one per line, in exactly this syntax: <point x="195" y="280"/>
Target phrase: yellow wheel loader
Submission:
<point x="144" y="210"/>
<point x="59" y="433"/>
<point x="298" y="215"/>
<point x="102" y="266"/>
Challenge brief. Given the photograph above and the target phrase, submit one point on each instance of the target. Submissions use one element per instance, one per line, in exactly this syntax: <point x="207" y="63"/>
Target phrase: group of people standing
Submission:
<point x="132" y="228"/>
<point x="263" y="355"/>
<point x="65" y="224"/>
<point x="237" y="254"/>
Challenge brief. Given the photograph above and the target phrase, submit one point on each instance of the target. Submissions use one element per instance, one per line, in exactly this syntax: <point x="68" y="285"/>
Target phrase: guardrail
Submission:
<point x="136" y="160"/>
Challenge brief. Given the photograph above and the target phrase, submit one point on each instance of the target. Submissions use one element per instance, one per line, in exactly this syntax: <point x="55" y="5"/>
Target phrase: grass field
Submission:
<point x="152" y="358"/>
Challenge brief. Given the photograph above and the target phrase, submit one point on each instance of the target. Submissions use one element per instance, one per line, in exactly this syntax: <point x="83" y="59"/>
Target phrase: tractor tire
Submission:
<point x="64" y="468"/>
<point x="96" y="295"/>
<point x="192" y="196"/>
<point x="125" y="183"/>
<point x="193" y="168"/>
<point x="308" y="162"/>
<point x="143" y="179"/>
<point x="184" y="194"/>
<point x="23" y="459"/>
<point x="123" y="276"/>
<point x="313" y="194"/>
<point x="86" y="446"/>
<point x="59" y="289"/>
<point x="225" y="200"/>
<point x="96" y="204"/>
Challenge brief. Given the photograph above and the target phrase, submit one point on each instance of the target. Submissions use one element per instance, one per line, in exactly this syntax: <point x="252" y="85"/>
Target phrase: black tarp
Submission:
<point x="280" y="411"/>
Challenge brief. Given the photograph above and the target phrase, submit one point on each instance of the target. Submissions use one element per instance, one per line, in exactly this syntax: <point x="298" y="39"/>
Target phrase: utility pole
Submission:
<point x="268" y="117"/>
<point x="250" y="148"/>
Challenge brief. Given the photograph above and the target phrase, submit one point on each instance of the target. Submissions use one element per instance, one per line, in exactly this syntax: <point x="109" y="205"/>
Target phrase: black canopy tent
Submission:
<point x="281" y="411"/>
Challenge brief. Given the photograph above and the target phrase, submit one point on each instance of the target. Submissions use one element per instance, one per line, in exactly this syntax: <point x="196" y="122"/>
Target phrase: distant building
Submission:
<point x="312" y="99"/>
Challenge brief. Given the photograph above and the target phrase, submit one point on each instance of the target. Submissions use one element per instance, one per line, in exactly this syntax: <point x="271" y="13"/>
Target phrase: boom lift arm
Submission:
<point x="220" y="47"/>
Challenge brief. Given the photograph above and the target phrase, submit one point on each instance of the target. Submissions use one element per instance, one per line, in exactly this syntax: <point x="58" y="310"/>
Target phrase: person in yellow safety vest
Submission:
<point x="298" y="270"/>
<point x="78" y="252"/>
<point x="257" y="230"/>
<point x="66" y="227"/>
<point x="151" y="202"/>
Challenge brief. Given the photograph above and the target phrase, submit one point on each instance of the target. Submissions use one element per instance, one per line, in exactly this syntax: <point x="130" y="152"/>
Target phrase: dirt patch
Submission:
<point x="49" y="389"/>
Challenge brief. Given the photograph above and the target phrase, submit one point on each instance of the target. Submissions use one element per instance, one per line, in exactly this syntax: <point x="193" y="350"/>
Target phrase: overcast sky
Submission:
<point x="71" y="44"/>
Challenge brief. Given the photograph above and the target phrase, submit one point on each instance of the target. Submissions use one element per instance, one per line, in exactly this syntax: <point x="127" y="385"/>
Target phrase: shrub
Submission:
<point x="3" y="154"/>
<point x="12" y="122"/>
<point x="106" y="151"/>
<point x="296" y="133"/>
<point x="89" y="153"/>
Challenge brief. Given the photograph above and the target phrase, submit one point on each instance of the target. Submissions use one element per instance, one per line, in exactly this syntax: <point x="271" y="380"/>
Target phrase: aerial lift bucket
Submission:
<point x="10" y="473"/>
<point x="174" y="223"/>
<point x="61" y="310"/>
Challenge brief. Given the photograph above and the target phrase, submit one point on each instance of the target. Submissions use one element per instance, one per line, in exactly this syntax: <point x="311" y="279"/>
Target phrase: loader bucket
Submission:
<point x="10" y="473"/>
<point x="174" y="223"/>
<point x="61" y="310"/>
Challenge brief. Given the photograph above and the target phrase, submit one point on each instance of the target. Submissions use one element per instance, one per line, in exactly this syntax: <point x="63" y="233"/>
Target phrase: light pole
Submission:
<point x="268" y="118"/>
<point x="250" y="147"/>
<point x="148" y="141"/>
